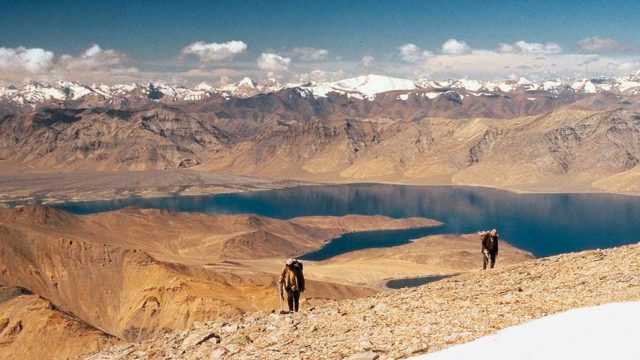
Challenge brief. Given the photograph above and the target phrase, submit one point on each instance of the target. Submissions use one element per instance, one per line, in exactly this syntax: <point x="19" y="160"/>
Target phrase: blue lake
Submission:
<point x="544" y="224"/>
<point x="416" y="281"/>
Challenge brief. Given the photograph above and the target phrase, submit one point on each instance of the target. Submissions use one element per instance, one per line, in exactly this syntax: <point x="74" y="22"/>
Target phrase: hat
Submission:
<point x="494" y="231"/>
<point x="290" y="261"/>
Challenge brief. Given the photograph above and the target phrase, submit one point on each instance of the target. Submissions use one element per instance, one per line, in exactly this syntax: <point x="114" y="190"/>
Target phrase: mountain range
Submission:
<point x="273" y="136"/>
<point x="365" y="87"/>
<point x="517" y="134"/>
<point x="84" y="283"/>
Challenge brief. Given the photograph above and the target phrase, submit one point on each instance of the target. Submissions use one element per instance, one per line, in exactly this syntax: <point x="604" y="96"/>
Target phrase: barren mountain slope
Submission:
<point x="247" y="117"/>
<point x="438" y="254"/>
<point x="566" y="149"/>
<point x="95" y="271"/>
<point x="134" y="273"/>
<point x="556" y="151"/>
<point x="100" y="139"/>
<point x="27" y="319"/>
<point x="401" y="323"/>
<point x="200" y="239"/>
<point x="572" y="152"/>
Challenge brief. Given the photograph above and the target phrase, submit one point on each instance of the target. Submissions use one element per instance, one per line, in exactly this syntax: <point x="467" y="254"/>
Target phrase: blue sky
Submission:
<point x="147" y="39"/>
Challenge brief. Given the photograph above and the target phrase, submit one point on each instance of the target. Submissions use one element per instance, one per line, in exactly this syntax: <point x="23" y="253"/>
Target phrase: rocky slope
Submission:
<point x="402" y="323"/>
<point x="109" y="139"/>
<point x="27" y="319"/>
<point x="133" y="273"/>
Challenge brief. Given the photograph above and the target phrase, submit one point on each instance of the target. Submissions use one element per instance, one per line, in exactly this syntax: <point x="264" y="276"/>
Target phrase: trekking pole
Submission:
<point x="280" y="293"/>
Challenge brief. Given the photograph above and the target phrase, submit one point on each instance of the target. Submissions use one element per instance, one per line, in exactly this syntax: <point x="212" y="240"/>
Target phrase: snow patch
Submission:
<point x="367" y="85"/>
<point x="607" y="331"/>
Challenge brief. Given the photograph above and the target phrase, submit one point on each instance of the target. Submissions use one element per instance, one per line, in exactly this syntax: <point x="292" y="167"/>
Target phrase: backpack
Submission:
<point x="297" y="268"/>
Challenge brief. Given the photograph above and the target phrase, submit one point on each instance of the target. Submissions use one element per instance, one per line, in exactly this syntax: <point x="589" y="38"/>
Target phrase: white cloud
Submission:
<point x="93" y="64"/>
<point x="308" y="54"/>
<point x="412" y="52"/>
<point x="367" y="61"/>
<point x="301" y="64"/>
<point x="34" y="60"/>
<point x="523" y="47"/>
<point x="93" y="59"/>
<point x="455" y="47"/>
<point x="626" y="66"/>
<point x="273" y="62"/>
<point x="319" y="76"/>
<point x="493" y="64"/>
<point x="214" y="52"/>
<point x="602" y="44"/>
<point x="204" y="73"/>
<point x="197" y="73"/>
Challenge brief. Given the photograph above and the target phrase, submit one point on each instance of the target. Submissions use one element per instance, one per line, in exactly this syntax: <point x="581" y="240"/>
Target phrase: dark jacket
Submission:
<point x="490" y="243"/>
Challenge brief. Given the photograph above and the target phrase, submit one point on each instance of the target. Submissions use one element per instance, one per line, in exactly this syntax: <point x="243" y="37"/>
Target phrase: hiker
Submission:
<point x="489" y="248"/>
<point x="292" y="281"/>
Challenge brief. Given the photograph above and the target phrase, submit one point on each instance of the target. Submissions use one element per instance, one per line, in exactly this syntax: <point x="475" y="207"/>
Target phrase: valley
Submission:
<point x="133" y="274"/>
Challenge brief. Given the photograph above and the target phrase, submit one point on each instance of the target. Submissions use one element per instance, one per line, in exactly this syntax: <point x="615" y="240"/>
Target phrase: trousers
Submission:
<point x="293" y="299"/>
<point x="489" y="258"/>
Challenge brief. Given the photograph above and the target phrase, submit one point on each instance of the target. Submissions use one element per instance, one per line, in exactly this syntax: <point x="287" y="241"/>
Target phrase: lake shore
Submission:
<point x="19" y="187"/>
<point x="59" y="187"/>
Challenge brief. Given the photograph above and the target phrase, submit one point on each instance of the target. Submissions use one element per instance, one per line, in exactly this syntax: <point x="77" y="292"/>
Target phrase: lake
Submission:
<point x="544" y="224"/>
<point x="416" y="281"/>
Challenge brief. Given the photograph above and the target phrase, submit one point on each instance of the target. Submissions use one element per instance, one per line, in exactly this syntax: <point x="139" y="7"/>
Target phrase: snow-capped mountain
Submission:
<point x="247" y="87"/>
<point x="362" y="87"/>
<point x="365" y="87"/>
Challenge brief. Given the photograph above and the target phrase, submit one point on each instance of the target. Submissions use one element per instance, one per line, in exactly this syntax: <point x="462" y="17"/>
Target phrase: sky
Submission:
<point x="297" y="41"/>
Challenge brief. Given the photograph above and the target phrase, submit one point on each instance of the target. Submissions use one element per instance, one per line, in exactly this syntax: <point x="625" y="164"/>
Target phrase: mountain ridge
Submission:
<point x="365" y="87"/>
<point x="568" y="149"/>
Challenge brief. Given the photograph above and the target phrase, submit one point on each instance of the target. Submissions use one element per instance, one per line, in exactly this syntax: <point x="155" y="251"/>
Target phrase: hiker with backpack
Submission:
<point x="489" y="248"/>
<point x="292" y="282"/>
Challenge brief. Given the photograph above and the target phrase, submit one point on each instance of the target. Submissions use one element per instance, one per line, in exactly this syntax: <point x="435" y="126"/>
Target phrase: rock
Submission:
<point x="416" y="349"/>
<point x="196" y="339"/>
<point x="380" y="308"/>
<point x="365" y="345"/>
<point x="218" y="353"/>
<point x="229" y="328"/>
<point x="232" y="348"/>
<point x="364" y="356"/>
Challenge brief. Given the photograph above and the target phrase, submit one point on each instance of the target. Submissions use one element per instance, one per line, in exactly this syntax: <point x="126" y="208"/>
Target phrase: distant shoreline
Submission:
<point x="19" y="188"/>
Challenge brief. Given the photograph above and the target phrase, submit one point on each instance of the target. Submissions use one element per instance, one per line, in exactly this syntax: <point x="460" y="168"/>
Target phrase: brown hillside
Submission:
<point x="136" y="273"/>
<point x="577" y="148"/>
<point x="404" y="323"/>
<point x="27" y="319"/>
<point x="438" y="254"/>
